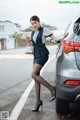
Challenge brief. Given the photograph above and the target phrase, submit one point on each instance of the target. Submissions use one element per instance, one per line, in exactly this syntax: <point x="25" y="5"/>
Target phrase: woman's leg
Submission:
<point x="39" y="79"/>
<point x="37" y="89"/>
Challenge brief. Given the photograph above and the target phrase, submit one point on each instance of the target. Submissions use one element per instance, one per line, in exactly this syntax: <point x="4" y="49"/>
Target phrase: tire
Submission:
<point x="62" y="106"/>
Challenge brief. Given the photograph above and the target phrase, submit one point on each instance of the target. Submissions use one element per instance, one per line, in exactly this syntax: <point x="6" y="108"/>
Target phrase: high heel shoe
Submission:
<point x="53" y="94"/>
<point x="38" y="106"/>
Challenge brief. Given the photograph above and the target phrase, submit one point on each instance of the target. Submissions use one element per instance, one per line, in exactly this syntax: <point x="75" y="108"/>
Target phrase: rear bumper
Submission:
<point x="68" y="93"/>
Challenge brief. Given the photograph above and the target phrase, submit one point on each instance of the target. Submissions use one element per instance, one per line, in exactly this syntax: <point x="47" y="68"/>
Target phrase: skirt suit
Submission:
<point x="40" y="51"/>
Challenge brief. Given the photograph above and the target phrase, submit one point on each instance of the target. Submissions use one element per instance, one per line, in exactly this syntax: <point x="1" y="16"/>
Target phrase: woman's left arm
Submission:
<point x="58" y="39"/>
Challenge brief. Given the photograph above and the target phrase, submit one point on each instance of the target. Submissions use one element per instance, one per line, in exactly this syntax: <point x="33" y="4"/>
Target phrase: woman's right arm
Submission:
<point x="27" y="38"/>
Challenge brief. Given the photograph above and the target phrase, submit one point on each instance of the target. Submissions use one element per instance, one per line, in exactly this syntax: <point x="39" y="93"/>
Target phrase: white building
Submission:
<point x="8" y="28"/>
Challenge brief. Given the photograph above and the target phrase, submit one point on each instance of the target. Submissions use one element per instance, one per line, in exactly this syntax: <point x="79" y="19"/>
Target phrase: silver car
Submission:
<point x="68" y="68"/>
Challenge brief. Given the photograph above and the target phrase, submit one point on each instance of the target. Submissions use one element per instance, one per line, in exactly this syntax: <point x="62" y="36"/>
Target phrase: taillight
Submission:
<point x="72" y="82"/>
<point x="70" y="46"/>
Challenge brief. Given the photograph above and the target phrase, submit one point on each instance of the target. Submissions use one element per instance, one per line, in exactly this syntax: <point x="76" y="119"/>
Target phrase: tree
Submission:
<point x="17" y="37"/>
<point x="49" y="26"/>
<point x="29" y="29"/>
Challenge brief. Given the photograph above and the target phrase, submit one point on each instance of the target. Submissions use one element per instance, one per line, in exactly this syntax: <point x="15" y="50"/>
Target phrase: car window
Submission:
<point x="77" y="29"/>
<point x="70" y="28"/>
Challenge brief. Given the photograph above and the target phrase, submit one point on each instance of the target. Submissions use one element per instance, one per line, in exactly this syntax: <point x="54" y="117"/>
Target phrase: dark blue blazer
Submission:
<point x="39" y="47"/>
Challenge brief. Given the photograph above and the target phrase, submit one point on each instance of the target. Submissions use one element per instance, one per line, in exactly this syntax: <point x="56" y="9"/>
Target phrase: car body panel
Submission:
<point x="68" y="66"/>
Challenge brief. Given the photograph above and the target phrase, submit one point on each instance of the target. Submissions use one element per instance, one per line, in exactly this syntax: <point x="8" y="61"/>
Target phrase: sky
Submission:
<point x="49" y="11"/>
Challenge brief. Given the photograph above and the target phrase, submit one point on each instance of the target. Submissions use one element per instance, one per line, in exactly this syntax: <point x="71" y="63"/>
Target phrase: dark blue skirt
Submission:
<point x="41" y="60"/>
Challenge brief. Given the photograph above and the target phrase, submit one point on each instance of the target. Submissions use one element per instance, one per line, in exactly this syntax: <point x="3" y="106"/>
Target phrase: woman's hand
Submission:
<point x="65" y="36"/>
<point x="58" y="39"/>
<point x="27" y="38"/>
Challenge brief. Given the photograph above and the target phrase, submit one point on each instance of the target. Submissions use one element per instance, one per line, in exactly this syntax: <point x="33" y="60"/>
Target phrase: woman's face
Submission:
<point x="35" y="24"/>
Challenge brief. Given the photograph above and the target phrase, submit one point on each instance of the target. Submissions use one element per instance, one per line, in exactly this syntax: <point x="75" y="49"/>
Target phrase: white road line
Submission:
<point x="19" y="106"/>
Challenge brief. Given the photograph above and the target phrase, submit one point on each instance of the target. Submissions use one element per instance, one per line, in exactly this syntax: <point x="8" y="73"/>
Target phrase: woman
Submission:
<point x="41" y="53"/>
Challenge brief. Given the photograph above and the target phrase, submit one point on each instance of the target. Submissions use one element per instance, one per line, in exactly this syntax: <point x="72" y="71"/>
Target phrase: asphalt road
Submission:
<point x="15" y="76"/>
<point x="15" y="73"/>
<point x="15" y="67"/>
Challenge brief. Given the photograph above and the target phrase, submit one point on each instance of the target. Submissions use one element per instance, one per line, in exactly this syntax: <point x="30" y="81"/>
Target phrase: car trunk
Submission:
<point x="71" y="44"/>
<point x="76" y="40"/>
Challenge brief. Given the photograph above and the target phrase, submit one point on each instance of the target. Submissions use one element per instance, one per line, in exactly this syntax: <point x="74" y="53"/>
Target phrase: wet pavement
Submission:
<point x="48" y="107"/>
<point x="48" y="112"/>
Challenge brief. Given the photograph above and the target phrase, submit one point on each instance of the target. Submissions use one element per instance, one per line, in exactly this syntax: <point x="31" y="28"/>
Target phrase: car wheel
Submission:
<point x="62" y="106"/>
